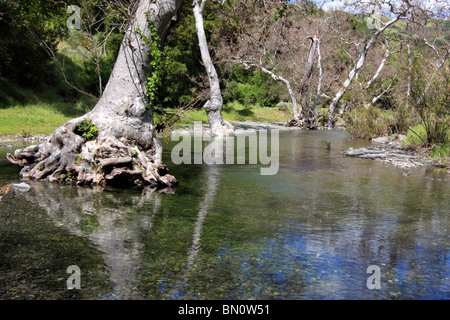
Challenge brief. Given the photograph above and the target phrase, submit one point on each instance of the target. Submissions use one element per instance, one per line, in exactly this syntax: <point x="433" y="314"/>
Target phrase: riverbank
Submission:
<point x="384" y="149"/>
<point x="390" y="151"/>
<point x="8" y="141"/>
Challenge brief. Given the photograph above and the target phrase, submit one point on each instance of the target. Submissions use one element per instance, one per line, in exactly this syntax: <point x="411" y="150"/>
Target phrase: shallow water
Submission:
<point x="227" y="232"/>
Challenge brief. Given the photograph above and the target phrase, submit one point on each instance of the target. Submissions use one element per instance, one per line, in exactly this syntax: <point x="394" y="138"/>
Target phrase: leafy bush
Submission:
<point x="440" y="150"/>
<point x="430" y="97"/>
<point x="284" y="106"/>
<point x="366" y="123"/>
<point x="322" y="116"/>
<point x="415" y="136"/>
<point x="252" y="89"/>
<point x="86" y="129"/>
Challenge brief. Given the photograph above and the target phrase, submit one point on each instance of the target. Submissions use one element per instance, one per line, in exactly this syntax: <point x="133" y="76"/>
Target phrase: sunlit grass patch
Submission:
<point x="30" y="119"/>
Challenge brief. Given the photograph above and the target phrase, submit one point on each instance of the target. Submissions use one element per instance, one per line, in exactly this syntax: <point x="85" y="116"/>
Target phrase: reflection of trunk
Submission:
<point x="213" y="107"/>
<point x="213" y="174"/>
<point x="125" y="150"/>
<point x="116" y="235"/>
<point x="212" y="183"/>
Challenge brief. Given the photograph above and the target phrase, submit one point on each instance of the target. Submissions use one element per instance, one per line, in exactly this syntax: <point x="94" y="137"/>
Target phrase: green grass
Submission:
<point x="39" y="118"/>
<point x="235" y="112"/>
<point x="440" y="151"/>
<point x="44" y="118"/>
<point x="415" y="138"/>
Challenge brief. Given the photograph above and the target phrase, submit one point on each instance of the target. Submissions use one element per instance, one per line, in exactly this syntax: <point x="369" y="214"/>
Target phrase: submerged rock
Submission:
<point x="23" y="187"/>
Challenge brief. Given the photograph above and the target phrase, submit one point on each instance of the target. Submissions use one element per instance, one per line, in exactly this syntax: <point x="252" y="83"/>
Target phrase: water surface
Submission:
<point x="227" y="232"/>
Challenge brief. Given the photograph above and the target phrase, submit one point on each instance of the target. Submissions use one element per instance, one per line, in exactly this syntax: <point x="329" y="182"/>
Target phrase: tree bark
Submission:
<point x="380" y="67"/>
<point x="213" y="107"/>
<point x="126" y="132"/>
<point x="312" y="108"/>
<point x="308" y="114"/>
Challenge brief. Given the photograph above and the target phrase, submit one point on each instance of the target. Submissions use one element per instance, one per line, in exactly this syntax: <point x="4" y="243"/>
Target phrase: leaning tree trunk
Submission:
<point x="213" y="107"/>
<point x="125" y="151"/>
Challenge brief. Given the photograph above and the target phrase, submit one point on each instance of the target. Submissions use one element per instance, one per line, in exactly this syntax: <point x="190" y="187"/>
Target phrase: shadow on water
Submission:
<point x="308" y="232"/>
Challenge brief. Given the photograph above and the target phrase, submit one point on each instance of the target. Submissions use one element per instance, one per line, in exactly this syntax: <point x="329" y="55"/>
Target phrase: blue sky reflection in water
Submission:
<point x="309" y="232"/>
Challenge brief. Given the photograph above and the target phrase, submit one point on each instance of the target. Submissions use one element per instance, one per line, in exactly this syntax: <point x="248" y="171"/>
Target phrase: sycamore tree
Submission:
<point x="213" y="107"/>
<point x="115" y="143"/>
<point x="282" y="40"/>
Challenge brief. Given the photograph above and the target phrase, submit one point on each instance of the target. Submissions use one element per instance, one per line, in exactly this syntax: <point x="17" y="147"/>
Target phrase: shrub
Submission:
<point x="322" y="116"/>
<point x="440" y="150"/>
<point x="415" y="136"/>
<point x="366" y="123"/>
<point x="86" y="129"/>
<point x="430" y="97"/>
<point x="284" y="106"/>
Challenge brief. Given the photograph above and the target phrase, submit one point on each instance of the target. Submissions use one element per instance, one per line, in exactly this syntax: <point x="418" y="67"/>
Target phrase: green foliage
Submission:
<point x="322" y="116"/>
<point x="415" y="136"/>
<point x="440" y="150"/>
<point x="401" y="119"/>
<point x="366" y="122"/>
<point x="86" y="129"/>
<point x="23" y="59"/>
<point x="252" y="88"/>
<point x="281" y="12"/>
<point x="181" y="82"/>
<point x="430" y="97"/>
<point x="67" y="177"/>
<point x="154" y="79"/>
<point x="29" y="75"/>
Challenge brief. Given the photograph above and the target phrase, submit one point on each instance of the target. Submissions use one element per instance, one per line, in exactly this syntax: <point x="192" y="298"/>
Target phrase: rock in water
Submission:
<point x="22" y="187"/>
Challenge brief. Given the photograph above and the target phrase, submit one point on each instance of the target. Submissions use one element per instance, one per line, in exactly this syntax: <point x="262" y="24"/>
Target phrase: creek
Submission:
<point x="227" y="232"/>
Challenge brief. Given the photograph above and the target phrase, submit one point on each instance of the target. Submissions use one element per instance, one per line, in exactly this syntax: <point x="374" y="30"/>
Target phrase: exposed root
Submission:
<point x="105" y="160"/>
<point x="301" y="123"/>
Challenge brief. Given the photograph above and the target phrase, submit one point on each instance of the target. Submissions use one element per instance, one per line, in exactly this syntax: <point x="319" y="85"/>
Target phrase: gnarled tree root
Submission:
<point x="302" y="123"/>
<point x="105" y="160"/>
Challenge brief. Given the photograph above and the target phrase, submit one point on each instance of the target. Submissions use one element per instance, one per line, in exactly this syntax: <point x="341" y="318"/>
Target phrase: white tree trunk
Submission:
<point x="126" y="150"/>
<point x="319" y="84"/>
<point x="295" y="107"/>
<point x="354" y="71"/>
<point x="213" y="107"/>
<point x="380" y="68"/>
<point x="308" y="113"/>
<point x="408" y="89"/>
